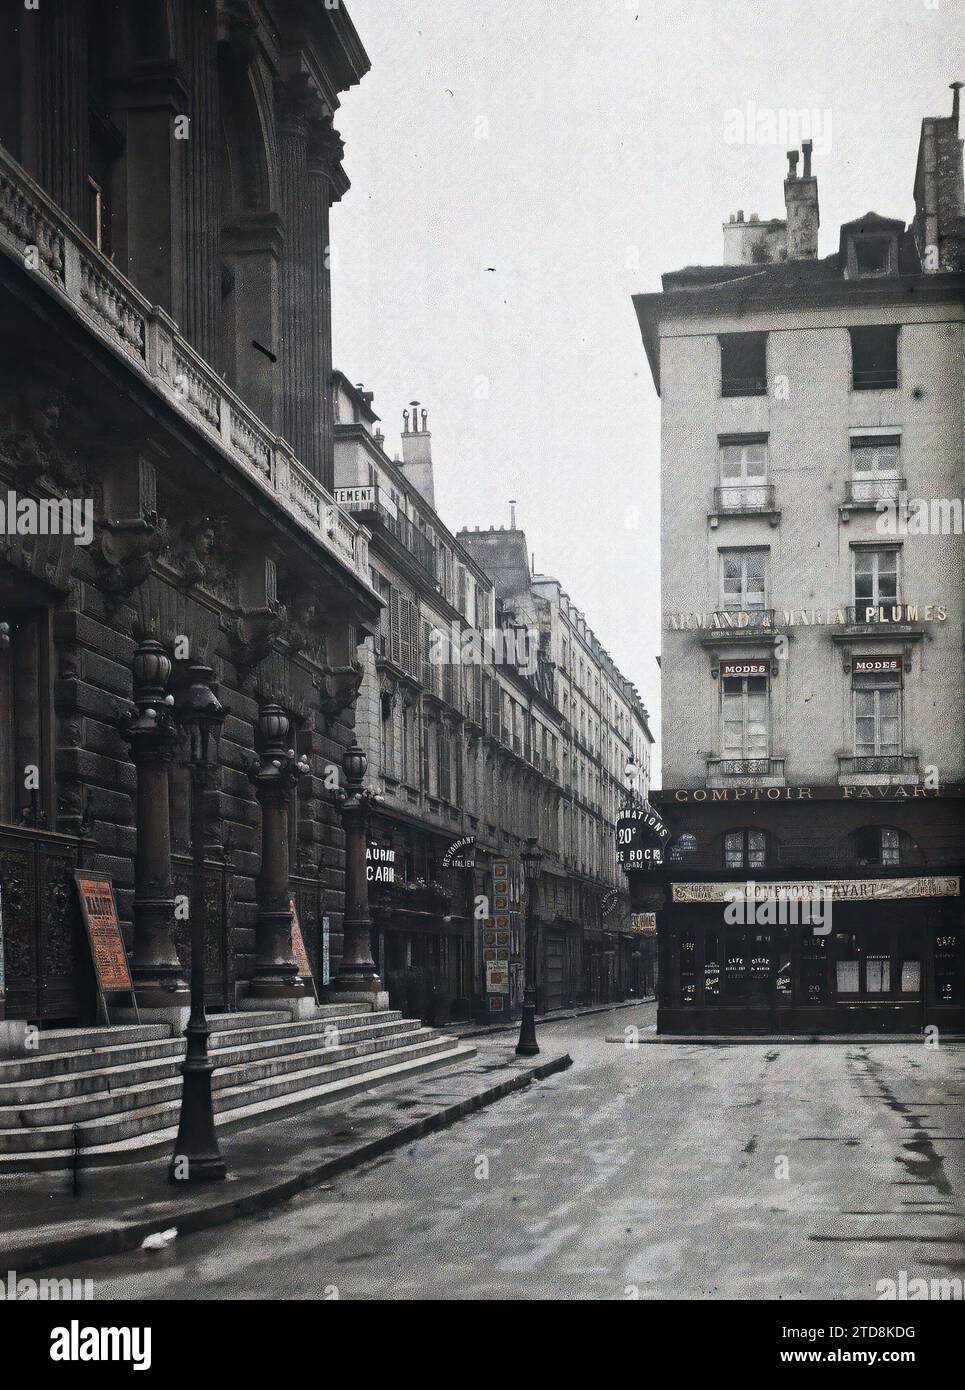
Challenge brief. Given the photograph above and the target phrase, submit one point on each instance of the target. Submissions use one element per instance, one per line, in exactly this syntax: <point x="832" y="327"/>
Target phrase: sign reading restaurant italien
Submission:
<point x="838" y="889"/>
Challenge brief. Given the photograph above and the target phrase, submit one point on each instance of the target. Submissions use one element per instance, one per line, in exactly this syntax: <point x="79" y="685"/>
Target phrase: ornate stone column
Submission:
<point x="357" y="977"/>
<point x="152" y="734"/>
<point x="276" y="982"/>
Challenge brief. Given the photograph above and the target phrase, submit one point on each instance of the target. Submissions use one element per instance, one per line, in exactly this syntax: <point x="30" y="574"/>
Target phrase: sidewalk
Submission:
<point x="468" y="1029"/>
<point x="43" y="1223"/>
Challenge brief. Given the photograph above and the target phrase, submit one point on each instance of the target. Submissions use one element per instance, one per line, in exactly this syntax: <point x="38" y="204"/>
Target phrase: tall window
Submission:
<point x="744" y="717"/>
<point x="25" y="719"/>
<point x="877" y="715"/>
<point x="874" y="467"/>
<point x="743" y="579"/>
<point x="875" y="578"/>
<point x="874" y="358"/>
<point x="743" y="364"/>
<point x="743" y="473"/>
<point x="744" y="849"/>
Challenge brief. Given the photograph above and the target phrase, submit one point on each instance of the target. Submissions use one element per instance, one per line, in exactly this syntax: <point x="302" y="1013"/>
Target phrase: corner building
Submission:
<point x="812" y="626"/>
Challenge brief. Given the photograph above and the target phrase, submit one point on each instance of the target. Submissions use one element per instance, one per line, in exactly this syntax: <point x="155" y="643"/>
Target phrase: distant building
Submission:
<point x="812" y="647"/>
<point x="465" y="712"/>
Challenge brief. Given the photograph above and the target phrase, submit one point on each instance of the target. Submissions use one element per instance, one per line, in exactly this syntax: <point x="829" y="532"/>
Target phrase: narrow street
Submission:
<point x="754" y="1171"/>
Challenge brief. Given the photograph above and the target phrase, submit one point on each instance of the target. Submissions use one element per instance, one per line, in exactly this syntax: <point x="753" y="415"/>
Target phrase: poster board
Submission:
<point x="99" y="911"/>
<point x="298" y="948"/>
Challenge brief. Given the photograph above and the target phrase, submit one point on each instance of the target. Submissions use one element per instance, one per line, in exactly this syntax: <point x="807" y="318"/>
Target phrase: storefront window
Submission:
<point x="760" y="965"/>
<point x="688" y="975"/>
<point x="878" y="963"/>
<point x="712" y="944"/>
<point x="735" y="967"/>
<point x="814" y="969"/>
<point x="948" y="967"/>
<point x="909" y="961"/>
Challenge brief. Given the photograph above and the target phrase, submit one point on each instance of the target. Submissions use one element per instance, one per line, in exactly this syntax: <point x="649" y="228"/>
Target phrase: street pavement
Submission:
<point x="759" y="1170"/>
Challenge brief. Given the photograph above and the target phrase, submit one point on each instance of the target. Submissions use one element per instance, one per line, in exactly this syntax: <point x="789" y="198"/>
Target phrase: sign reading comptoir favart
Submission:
<point x="839" y="889"/>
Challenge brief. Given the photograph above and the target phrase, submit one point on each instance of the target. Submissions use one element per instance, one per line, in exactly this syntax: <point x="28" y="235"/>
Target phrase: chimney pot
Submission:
<point x="956" y="88"/>
<point x="792" y="158"/>
<point x="807" y="146"/>
<point x="740" y="214"/>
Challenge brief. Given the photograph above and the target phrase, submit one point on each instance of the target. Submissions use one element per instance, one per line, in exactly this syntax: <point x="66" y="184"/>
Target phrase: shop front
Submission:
<point x="885" y="956"/>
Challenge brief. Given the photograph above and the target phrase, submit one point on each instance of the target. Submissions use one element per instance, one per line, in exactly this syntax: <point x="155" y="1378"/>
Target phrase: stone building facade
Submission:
<point x="166" y="175"/>
<point x="812" y="645"/>
<point x="494" y="717"/>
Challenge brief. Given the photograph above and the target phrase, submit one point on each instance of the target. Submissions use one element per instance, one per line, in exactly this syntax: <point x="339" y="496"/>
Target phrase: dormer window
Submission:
<point x="872" y="255"/>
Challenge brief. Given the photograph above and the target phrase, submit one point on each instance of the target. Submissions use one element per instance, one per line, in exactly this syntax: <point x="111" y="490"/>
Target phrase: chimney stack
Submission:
<point x="801" y="201"/>
<point x="417" y="452"/>
<point x="939" y="196"/>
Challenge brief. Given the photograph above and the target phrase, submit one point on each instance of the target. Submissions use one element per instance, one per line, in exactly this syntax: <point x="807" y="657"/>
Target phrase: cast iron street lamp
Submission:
<point x="527" y="1045"/>
<point x="357" y="975"/>
<point x="196" y="1156"/>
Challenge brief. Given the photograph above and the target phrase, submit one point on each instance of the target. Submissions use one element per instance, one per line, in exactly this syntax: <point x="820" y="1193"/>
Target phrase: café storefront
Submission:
<point x="851" y="955"/>
<point x="804" y="911"/>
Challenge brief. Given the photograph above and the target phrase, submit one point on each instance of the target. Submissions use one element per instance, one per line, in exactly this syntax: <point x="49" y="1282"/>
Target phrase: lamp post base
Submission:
<point x="527" y="1045"/>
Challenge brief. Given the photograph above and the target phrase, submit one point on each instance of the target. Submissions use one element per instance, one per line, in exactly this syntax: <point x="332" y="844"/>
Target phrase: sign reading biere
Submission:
<point x="104" y="934"/>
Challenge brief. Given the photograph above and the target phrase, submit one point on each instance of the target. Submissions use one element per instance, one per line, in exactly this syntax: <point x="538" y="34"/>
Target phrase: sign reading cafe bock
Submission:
<point x="641" y="836"/>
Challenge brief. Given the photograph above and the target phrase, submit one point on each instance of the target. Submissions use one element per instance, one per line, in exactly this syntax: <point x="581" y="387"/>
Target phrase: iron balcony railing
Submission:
<point x="744" y="497"/>
<point x="743" y="386"/>
<point x="874" y="379"/>
<point x="903" y="764"/>
<point x="371" y="503"/>
<point x="90" y="288"/>
<point x="861" y="492"/>
<point x="771" y="768"/>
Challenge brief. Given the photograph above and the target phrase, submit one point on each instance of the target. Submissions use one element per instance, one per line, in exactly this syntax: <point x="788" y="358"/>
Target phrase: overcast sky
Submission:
<point x="580" y="148"/>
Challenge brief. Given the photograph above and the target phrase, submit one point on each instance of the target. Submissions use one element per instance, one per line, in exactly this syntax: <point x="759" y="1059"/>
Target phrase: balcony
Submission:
<point x="370" y="503"/>
<point x="886" y="770"/>
<point x="744" y="499"/>
<point x="745" y="772"/>
<point x="737" y="625"/>
<point x="85" y="283"/>
<point x="864" y="494"/>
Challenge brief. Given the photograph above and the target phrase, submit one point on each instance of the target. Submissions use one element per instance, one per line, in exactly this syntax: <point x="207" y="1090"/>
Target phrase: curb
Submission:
<point x="486" y="1030"/>
<point x="787" y="1039"/>
<point x="116" y="1237"/>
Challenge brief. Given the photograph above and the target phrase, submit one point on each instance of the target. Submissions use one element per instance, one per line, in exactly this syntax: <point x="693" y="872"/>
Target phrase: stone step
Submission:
<point x="21" y="1100"/>
<point x="119" y="1048"/>
<point x="151" y="1131"/>
<point x="82" y="1039"/>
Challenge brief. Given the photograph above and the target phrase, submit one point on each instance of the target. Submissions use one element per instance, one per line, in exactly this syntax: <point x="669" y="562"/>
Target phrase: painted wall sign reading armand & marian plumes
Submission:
<point x="767" y="620"/>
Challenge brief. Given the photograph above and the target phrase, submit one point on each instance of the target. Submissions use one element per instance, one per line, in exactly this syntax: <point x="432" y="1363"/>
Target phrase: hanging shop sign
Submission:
<point x="838" y="889"/>
<point x="380" y="864"/>
<point x="641" y="837"/>
<point x="643" y="923"/>
<point x="461" y="854"/>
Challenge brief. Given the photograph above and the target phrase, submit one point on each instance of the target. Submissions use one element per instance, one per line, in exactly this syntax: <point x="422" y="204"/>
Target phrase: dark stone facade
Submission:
<point x="165" y="334"/>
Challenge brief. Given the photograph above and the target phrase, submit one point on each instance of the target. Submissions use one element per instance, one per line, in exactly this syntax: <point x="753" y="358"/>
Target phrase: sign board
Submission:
<point x="379" y="864"/>
<point x="104" y="934"/>
<point x="298" y="949"/>
<point x="838" y="889"/>
<point x="326" y="949"/>
<point x="641" y="837"/>
<point x="360" y="496"/>
<point x="643" y="923"/>
<point x="873" y="665"/>
<point x="745" y="668"/>
<point x="3" y="978"/>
